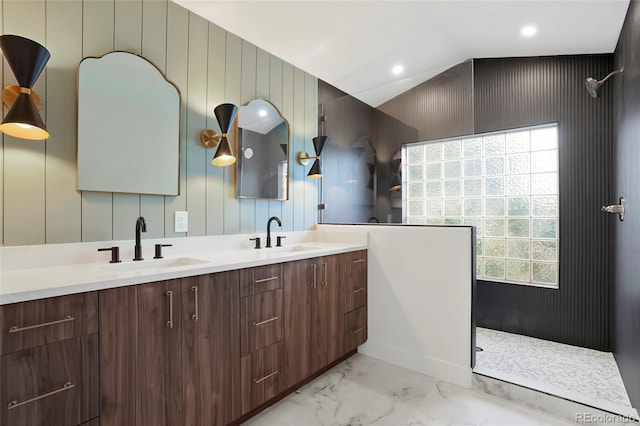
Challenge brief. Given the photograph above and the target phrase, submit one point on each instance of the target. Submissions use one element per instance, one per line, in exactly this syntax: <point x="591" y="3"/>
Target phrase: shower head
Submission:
<point x="593" y="85"/>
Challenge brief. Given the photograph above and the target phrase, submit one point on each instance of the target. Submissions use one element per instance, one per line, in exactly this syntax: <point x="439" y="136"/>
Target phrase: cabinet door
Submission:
<point x="159" y="356"/>
<point x="262" y="376"/>
<point x="53" y="385"/>
<point x="211" y="349"/>
<point x="261" y="321"/>
<point x="118" y="364"/>
<point x="326" y="314"/>
<point x="355" y="280"/>
<point x="299" y="278"/>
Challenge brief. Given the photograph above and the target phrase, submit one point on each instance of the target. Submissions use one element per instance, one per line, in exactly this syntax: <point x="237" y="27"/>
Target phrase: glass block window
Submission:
<point x="503" y="183"/>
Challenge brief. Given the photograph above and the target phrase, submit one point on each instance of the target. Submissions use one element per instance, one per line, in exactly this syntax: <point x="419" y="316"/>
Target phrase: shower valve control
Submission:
<point x="616" y="209"/>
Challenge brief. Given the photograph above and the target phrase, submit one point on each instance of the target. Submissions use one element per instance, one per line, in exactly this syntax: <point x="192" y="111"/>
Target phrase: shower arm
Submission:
<point x="611" y="74"/>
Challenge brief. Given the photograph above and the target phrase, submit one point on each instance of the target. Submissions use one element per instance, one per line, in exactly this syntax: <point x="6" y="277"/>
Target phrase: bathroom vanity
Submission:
<point x="208" y="338"/>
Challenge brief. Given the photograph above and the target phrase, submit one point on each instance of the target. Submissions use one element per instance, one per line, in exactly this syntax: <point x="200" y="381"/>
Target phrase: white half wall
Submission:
<point x="419" y="298"/>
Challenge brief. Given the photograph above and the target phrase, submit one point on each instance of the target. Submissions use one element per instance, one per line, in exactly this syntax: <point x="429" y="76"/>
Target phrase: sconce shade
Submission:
<point x="315" y="171"/>
<point x="318" y="143"/>
<point x="225" y="114"/>
<point x="224" y="156"/>
<point x="395" y="183"/>
<point x="23" y="120"/>
<point x="27" y="59"/>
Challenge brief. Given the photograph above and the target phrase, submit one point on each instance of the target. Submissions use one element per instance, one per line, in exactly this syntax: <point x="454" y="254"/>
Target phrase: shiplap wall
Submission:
<point x="38" y="187"/>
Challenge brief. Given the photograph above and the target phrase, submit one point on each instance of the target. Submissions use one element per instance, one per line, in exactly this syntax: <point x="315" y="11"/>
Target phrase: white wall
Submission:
<point x="419" y="298"/>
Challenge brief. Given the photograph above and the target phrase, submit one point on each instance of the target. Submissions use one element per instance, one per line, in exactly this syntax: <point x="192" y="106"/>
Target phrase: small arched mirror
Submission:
<point x="263" y="152"/>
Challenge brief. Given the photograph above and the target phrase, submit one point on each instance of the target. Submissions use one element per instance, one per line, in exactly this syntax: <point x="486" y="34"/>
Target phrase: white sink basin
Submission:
<point x="151" y="264"/>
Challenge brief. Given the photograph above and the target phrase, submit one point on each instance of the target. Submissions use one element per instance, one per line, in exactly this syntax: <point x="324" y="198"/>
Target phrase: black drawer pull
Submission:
<point x="14" y="404"/>
<point x="16" y="329"/>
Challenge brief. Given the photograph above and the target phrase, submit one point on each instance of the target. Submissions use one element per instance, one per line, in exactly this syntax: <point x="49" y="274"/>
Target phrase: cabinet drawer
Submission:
<point x="262" y="376"/>
<point x="260" y="279"/>
<point x="355" y="329"/>
<point x="30" y="324"/>
<point x="53" y="385"/>
<point x="355" y="280"/>
<point x="260" y="321"/>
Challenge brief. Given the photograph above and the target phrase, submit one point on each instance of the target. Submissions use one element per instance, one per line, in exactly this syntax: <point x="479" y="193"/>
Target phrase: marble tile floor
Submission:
<point x="365" y="391"/>
<point x="583" y="375"/>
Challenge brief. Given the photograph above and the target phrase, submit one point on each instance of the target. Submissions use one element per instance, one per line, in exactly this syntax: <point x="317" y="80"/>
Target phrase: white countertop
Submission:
<point x="37" y="278"/>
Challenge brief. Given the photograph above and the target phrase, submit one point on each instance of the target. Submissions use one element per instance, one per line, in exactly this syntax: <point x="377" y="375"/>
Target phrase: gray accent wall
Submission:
<point x="38" y="194"/>
<point x="626" y="244"/>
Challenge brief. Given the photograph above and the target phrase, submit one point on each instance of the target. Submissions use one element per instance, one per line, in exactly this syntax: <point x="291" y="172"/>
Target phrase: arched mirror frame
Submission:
<point x="248" y="176"/>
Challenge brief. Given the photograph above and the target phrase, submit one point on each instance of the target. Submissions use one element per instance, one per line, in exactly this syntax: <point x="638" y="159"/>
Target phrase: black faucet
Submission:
<point x="141" y="226"/>
<point x="271" y="219"/>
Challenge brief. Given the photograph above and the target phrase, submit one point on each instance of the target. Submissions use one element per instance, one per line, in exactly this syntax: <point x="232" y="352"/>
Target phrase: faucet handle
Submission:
<point x="159" y="250"/>
<point x="115" y="253"/>
<point x="279" y="240"/>
<point x="257" y="240"/>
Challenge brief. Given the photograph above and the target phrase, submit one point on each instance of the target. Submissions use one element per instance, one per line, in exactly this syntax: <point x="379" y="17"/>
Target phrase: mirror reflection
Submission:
<point x="128" y="126"/>
<point x="263" y="147"/>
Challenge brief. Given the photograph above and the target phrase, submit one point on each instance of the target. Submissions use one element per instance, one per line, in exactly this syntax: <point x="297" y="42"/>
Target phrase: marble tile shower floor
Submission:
<point x="583" y="375"/>
<point x="366" y="391"/>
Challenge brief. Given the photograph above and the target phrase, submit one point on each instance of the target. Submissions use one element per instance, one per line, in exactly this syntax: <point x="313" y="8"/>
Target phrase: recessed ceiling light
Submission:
<point x="397" y="69"/>
<point x="528" y="31"/>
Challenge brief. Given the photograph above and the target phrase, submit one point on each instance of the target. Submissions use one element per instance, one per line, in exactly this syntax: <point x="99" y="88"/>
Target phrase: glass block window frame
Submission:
<point x="503" y="183"/>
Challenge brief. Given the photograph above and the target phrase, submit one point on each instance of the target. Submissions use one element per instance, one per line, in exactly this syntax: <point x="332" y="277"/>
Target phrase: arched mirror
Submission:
<point x="263" y="152"/>
<point x="128" y="126"/>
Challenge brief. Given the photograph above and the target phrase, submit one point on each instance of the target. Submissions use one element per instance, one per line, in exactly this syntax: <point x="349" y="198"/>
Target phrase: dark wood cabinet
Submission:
<point x="54" y="384"/>
<point x="203" y="350"/>
<point x="262" y="376"/>
<point x="184" y="357"/>
<point x="355" y="278"/>
<point x="211" y="349"/>
<point x="260" y="321"/>
<point x="300" y="279"/>
<point x="326" y="313"/>
<point x="38" y="322"/>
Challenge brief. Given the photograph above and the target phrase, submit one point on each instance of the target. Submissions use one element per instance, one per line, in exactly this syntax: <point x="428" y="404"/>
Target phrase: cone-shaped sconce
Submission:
<point x="303" y="157"/>
<point x="27" y="60"/>
<point x="225" y="114"/>
<point x="396" y="183"/>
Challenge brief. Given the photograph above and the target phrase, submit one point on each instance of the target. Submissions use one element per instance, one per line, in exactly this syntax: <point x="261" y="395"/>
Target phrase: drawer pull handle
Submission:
<point x="264" y="280"/>
<point x="357" y="330"/>
<point x="265" y="321"/>
<point x="170" y="321"/>
<point x="315" y="276"/>
<point x="358" y="261"/>
<point x="273" y="373"/>
<point x="358" y="290"/>
<point x="16" y="329"/>
<point x="195" y="316"/>
<point x="14" y="404"/>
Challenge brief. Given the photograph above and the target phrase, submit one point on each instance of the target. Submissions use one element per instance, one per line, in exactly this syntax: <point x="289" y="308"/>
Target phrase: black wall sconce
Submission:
<point x="396" y="182"/>
<point x="225" y="114"/>
<point x="303" y="157"/>
<point x="27" y="60"/>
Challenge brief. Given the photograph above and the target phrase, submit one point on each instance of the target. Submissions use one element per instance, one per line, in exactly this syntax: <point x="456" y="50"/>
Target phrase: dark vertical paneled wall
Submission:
<point x="441" y="107"/>
<point x="517" y="92"/>
<point x="626" y="243"/>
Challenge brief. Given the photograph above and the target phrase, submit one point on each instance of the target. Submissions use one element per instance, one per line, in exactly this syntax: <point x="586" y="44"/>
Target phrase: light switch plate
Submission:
<point x="182" y="222"/>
